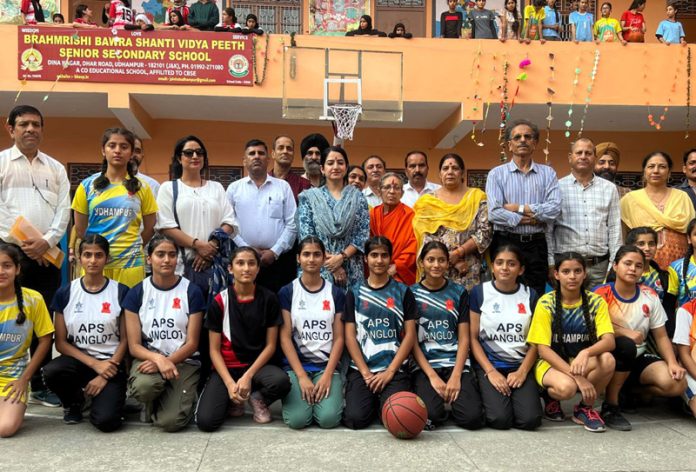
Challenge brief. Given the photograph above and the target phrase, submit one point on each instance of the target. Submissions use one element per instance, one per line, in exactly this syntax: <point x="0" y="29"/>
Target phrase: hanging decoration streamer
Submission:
<point x="550" y="92"/>
<point x="476" y="68"/>
<point x="264" y="54"/>
<point x="521" y="77"/>
<point x="576" y="80"/>
<point x="663" y="116"/>
<point x="588" y="97"/>
<point x="489" y="98"/>
<point x="688" y="91"/>
<point x="504" y="109"/>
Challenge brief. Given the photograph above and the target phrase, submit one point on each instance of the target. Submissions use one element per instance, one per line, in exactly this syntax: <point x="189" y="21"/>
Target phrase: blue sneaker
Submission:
<point x="45" y="398"/>
<point x="589" y="418"/>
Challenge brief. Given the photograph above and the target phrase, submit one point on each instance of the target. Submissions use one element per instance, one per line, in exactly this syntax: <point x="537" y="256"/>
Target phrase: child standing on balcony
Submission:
<point x="581" y="22"/>
<point x="509" y="21"/>
<point x="482" y="22"/>
<point x="451" y="21"/>
<point x="533" y="17"/>
<point x="607" y="29"/>
<point x="551" y="22"/>
<point x="120" y="13"/>
<point x="671" y="31"/>
<point x="633" y="23"/>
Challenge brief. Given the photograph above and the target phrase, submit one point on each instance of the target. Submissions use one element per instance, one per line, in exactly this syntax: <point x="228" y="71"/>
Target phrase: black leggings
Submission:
<point x="271" y="381"/>
<point x="66" y="377"/>
<point x="521" y="410"/>
<point x="625" y="354"/>
<point x="363" y="406"/>
<point x="467" y="410"/>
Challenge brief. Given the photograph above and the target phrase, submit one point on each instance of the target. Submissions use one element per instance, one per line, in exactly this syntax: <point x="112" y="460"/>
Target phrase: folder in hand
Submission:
<point x="22" y="229"/>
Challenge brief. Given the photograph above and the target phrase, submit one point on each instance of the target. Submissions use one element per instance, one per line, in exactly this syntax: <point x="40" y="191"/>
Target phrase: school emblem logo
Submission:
<point x="78" y="307"/>
<point x="151" y="304"/>
<point x="496" y="308"/>
<point x="326" y="305"/>
<point x="365" y="304"/>
<point x="106" y="307"/>
<point x="176" y="304"/>
<point x="390" y="302"/>
<point x="32" y="60"/>
<point x="449" y="304"/>
<point x="424" y="306"/>
<point x="302" y="305"/>
<point x="238" y="66"/>
<point x="521" y="309"/>
<point x="646" y="311"/>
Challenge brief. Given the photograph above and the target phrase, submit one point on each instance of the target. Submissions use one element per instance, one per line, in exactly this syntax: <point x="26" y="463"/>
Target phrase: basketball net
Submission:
<point x="345" y="118"/>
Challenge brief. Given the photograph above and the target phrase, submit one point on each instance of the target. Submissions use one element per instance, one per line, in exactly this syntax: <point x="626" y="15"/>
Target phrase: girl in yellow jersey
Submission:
<point x="23" y="313"/>
<point x="117" y="205"/>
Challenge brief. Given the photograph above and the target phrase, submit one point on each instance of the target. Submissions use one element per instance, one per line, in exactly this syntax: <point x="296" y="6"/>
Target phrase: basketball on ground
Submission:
<point x="404" y="415"/>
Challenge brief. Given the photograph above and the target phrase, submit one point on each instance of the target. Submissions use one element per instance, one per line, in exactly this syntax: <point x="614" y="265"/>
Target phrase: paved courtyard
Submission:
<point x="660" y="440"/>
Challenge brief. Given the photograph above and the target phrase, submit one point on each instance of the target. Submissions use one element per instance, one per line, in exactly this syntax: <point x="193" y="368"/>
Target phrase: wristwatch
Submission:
<point x="520" y="209"/>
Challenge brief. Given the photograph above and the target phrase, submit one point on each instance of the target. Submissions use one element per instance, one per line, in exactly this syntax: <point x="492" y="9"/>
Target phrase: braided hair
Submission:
<point x="132" y="183"/>
<point x="13" y="253"/>
<point x="557" y="321"/>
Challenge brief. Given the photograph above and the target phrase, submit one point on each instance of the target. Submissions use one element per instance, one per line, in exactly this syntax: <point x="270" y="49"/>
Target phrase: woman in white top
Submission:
<point x="191" y="208"/>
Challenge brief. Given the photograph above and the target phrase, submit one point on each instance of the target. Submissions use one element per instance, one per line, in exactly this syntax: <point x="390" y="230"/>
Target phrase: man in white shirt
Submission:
<point x="265" y="209"/>
<point x="35" y="186"/>
<point x="374" y="167"/>
<point x="590" y="219"/>
<point x="139" y="155"/>
<point x="416" y="167"/>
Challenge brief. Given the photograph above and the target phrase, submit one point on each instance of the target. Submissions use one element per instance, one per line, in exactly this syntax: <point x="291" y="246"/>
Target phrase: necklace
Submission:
<point x="659" y="204"/>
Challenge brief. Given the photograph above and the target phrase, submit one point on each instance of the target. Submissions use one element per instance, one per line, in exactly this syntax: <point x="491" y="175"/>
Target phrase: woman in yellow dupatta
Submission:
<point x="666" y="210"/>
<point x="458" y="217"/>
<point x="394" y="220"/>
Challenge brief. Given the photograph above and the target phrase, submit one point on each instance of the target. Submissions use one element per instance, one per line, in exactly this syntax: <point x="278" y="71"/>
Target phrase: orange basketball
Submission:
<point x="404" y="415"/>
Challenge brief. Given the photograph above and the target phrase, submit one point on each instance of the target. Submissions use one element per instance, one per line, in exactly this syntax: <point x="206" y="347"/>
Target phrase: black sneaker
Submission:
<point x="552" y="410"/>
<point x="73" y="414"/>
<point x="614" y="419"/>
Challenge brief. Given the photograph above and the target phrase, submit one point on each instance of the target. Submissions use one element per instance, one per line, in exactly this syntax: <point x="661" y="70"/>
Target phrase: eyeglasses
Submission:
<point x="190" y="152"/>
<point x="527" y="137"/>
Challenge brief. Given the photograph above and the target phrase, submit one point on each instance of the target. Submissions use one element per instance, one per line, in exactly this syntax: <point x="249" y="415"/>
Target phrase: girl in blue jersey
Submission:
<point x="685" y="268"/>
<point x="23" y="314"/>
<point x="164" y="313"/>
<point x="380" y="332"/>
<point x="573" y="332"/>
<point x="91" y="336"/>
<point x="443" y="373"/>
<point x="312" y="340"/>
<point x="242" y="323"/>
<point x="501" y="314"/>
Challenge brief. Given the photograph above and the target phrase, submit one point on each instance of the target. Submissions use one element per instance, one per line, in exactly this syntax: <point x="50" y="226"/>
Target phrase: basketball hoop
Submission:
<point x="345" y="116"/>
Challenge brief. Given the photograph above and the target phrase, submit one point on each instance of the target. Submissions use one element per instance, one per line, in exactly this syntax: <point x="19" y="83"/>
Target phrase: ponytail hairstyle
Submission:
<point x="379" y="241"/>
<point x="311" y="240"/>
<point x="80" y="10"/>
<point x="589" y="318"/>
<point x="513" y="249"/>
<point x="132" y="183"/>
<point x="430" y="246"/>
<point x="238" y="250"/>
<point x="158" y="239"/>
<point x="97" y="240"/>
<point x="689" y="251"/>
<point x="230" y="12"/>
<point x="12" y="252"/>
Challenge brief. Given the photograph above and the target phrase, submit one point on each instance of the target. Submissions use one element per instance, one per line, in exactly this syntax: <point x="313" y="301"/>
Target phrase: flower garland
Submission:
<point x="593" y="76"/>
<point x="663" y="116"/>
<point x="478" y="100"/>
<point x="264" y="54"/>
<point x="688" y="91"/>
<point x="504" y="109"/>
<point x="576" y="80"/>
<point x="550" y="92"/>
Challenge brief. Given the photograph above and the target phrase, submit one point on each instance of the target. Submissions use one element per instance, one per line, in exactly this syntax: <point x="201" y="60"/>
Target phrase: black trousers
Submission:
<point x="46" y="281"/>
<point x="66" y="377"/>
<point x="280" y="273"/>
<point x="271" y="381"/>
<point x="536" y="269"/>
<point x="467" y="410"/>
<point x="521" y="410"/>
<point x="363" y="406"/>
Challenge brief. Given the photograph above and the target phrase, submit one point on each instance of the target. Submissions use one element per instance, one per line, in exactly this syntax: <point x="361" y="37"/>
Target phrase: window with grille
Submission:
<point x="276" y="16"/>
<point x="686" y="8"/>
<point x="401" y="3"/>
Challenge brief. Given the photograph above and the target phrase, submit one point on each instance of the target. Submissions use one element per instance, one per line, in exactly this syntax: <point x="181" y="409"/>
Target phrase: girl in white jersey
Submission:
<point x="90" y="335"/>
<point x="501" y="314"/>
<point x="312" y="340"/>
<point x="164" y="314"/>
